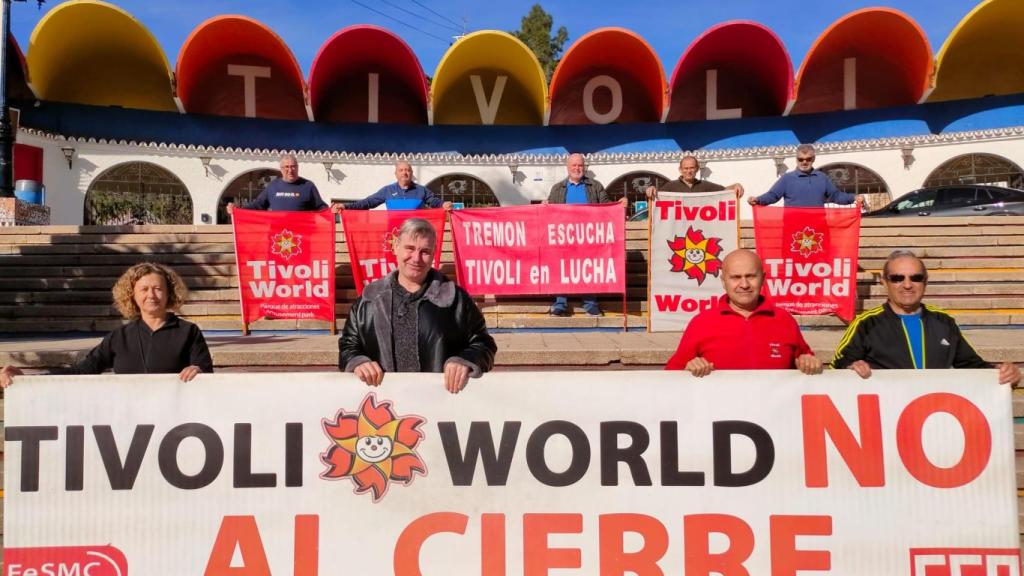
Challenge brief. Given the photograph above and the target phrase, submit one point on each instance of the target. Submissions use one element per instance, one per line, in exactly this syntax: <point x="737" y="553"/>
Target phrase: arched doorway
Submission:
<point x="463" y="191"/>
<point x="137" y="193"/>
<point x="243" y="190"/>
<point x="977" y="169"/>
<point x="634" y="186"/>
<point x="856" y="179"/>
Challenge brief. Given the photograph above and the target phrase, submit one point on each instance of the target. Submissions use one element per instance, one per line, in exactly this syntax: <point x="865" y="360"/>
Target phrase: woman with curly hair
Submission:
<point x="154" y="341"/>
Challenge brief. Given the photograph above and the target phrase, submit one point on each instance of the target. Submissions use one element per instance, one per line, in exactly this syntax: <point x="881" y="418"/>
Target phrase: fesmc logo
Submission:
<point x="373" y="447"/>
<point x="286" y="244"/>
<point x="695" y="255"/>
<point x="807" y="242"/>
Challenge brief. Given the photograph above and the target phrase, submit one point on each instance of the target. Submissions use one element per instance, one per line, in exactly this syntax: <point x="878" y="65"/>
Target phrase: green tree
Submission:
<point x="535" y="32"/>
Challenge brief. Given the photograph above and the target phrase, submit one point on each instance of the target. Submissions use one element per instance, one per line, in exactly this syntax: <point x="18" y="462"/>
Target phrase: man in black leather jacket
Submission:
<point x="416" y="320"/>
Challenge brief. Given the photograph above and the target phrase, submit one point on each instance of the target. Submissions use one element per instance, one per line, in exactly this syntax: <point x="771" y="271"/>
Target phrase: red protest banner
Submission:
<point x="285" y="264"/>
<point x="810" y="258"/>
<point x="370" y="235"/>
<point x="541" y="249"/>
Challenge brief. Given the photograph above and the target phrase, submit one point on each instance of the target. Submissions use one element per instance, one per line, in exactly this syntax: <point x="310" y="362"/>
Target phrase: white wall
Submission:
<point x="351" y="180"/>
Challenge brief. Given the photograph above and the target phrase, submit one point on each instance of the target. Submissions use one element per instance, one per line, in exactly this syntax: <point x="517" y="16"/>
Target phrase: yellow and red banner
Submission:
<point x="690" y="236"/>
<point x="285" y="264"/>
<point x="541" y="249"/>
<point x="810" y="258"/>
<point x="303" y="474"/>
<point x="370" y="236"/>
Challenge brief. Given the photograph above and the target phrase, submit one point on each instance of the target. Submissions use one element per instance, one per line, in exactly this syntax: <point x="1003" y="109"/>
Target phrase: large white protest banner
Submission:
<point x="691" y="234"/>
<point x="910" y="472"/>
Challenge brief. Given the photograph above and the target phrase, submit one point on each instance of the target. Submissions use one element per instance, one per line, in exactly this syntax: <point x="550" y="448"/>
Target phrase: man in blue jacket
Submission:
<point x="290" y="192"/>
<point x="402" y="194"/>
<point x="805" y="187"/>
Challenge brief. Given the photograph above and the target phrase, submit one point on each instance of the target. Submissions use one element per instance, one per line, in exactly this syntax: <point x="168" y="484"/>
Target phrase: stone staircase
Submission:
<point x="58" y="278"/>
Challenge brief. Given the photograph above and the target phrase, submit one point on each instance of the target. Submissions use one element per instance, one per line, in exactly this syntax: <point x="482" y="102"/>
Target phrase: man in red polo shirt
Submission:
<point x="743" y="331"/>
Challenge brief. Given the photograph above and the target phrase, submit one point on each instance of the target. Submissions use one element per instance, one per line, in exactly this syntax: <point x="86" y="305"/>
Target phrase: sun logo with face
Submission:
<point x="390" y="239"/>
<point x="807" y="242"/>
<point x="373" y="447"/>
<point x="286" y="244"/>
<point x="696" y="255"/>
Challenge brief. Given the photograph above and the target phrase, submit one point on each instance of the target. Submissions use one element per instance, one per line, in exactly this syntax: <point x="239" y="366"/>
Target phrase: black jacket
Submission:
<point x="595" y="192"/>
<point x="449" y="326"/>
<point x="135" y="349"/>
<point x="877" y="337"/>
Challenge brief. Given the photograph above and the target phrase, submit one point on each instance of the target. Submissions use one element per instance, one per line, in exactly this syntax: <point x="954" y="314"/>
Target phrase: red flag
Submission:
<point x="370" y="235"/>
<point x="541" y="249"/>
<point x="810" y="258"/>
<point x="285" y="264"/>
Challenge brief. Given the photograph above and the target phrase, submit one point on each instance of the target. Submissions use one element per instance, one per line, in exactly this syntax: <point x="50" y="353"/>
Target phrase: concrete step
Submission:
<point x="57" y="271"/>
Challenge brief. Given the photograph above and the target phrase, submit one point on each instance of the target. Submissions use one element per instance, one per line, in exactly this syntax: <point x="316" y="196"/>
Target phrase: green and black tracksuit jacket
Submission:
<point x="877" y="337"/>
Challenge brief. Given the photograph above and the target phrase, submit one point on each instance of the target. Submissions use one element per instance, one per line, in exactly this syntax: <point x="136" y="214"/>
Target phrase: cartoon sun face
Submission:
<point x="374" y="449"/>
<point x="286" y="244"/>
<point x="807" y="242"/>
<point x="695" y="255"/>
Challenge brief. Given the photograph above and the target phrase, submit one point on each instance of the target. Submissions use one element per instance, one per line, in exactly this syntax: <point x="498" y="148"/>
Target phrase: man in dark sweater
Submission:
<point x="290" y="192"/>
<point x="688" y="181"/>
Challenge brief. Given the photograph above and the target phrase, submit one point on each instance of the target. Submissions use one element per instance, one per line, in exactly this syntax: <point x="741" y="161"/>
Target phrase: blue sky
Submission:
<point x="668" y="25"/>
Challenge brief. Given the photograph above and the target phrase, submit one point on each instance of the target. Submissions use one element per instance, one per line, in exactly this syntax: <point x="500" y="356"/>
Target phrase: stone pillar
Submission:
<point x="14" y="212"/>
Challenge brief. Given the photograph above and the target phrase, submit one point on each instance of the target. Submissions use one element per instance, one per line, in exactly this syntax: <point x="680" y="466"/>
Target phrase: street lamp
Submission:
<point x="6" y="130"/>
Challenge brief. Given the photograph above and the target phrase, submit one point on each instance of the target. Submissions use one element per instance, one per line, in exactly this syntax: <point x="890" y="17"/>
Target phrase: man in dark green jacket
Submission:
<point x="578" y="188"/>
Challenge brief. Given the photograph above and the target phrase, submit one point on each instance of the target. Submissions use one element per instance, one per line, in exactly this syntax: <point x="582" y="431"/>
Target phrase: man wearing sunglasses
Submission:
<point x="805" y="187"/>
<point x="904" y="333"/>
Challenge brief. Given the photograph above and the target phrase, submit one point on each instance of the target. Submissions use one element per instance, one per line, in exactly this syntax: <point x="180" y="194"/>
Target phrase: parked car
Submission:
<point x="959" y="200"/>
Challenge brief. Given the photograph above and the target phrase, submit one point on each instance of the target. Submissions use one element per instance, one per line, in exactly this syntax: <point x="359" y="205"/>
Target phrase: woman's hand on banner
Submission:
<point x="808" y="364"/>
<point x="738" y="188"/>
<point x="370" y="373"/>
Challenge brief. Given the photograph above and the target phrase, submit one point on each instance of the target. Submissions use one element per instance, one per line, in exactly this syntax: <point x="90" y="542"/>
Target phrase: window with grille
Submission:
<point x="137" y="193"/>
<point x="244" y="189"/>
<point x="463" y="191"/>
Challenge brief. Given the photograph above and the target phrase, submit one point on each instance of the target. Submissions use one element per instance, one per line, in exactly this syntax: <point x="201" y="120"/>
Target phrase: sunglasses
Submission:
<point x="898" y="278"/>
<point x="803" y="160"/>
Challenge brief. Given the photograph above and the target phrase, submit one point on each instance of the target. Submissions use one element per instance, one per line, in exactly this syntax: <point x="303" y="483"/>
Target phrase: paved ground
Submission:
<point x="594" y="350"/>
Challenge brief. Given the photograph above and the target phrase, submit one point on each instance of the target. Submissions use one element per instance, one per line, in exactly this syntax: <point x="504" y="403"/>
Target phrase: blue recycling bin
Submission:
<point x="30" y="191"/>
